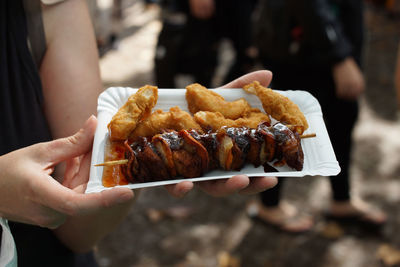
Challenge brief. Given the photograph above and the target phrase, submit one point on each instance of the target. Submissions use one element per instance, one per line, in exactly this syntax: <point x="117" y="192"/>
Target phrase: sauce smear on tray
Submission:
<point x="112" y="175"/>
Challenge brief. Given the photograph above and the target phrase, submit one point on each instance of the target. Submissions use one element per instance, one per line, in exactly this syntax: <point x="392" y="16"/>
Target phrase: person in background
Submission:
<point x="192" y="32"/>
<point x="397" y="75"/>
<point x="316" y="45"/>
<point x="48" y="90"/>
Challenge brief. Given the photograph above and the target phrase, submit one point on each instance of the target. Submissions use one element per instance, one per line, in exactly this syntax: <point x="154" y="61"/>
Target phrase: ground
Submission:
<point x="199" y="230"/>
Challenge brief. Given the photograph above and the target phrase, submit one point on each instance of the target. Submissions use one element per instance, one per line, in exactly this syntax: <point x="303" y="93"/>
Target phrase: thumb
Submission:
<point x="72" y="146"/>
<point x="66" y="201"/>
<point x="263" y="76"/>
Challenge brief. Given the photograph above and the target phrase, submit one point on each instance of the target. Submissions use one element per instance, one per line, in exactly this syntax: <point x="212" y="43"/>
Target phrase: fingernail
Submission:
<point x="88" y="121"/>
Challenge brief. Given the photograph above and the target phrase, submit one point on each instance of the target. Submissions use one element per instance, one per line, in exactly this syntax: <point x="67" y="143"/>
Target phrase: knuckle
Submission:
<point x="73" y="139"/>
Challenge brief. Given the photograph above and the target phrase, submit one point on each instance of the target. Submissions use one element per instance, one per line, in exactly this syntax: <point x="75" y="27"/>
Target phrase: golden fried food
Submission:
<point x="278" y="106"/>
<point x="159" y="121"/>
<point x="215" y="120"/>
<point x="200" y="98"/>
<point x="137" y="107"/>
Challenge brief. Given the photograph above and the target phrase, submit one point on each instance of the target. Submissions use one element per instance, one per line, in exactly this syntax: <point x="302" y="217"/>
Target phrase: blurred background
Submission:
<point x="199" y="230"/>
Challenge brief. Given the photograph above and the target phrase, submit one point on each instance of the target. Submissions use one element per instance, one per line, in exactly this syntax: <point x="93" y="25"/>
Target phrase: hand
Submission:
<point x="239" y="183"/>
<point x="348" y="79"/>
<point x="202" y="9"/>
<point x="30" y="195"/>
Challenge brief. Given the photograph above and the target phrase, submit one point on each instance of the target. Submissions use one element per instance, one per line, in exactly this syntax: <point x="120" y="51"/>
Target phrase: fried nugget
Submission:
<point x="200" y="98"/>
<point x="137" y="107"/>
<point x="215" y="120"/>
<point x="278" y="106"/>
<point x="159" y="121"/>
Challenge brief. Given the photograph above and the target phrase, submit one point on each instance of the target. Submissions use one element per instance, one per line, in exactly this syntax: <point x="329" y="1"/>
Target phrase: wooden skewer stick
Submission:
<point x="310" y="135"/>
<point x="113" y="163"/>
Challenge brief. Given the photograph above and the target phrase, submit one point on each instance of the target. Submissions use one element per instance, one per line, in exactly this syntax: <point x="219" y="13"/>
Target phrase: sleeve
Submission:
<point x="8" y="253"/>
<point x="323" y="29"/>
<point x="51" y="2"/>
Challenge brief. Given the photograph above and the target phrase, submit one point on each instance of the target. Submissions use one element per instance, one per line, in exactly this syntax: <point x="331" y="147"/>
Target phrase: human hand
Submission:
<point x="349" y="79"/>
<point x="239" y="183"/>
<point x="30" y="195"/>
<point x="202" y="9"/>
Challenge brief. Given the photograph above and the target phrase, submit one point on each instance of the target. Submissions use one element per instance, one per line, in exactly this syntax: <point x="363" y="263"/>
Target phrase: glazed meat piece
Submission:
<point x="210" y="143"/>
<point x="288" y="149"/>
<point x="147" y="164"/>
<point x="241" y="146"/>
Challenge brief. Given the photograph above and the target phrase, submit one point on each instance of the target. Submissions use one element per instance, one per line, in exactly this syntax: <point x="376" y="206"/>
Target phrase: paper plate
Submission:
<point x="319" y="157"/>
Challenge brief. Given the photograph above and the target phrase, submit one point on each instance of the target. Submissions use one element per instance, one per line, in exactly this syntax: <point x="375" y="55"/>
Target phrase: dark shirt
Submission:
<point x="23" y="124"/>
<point x="310" y="32"/>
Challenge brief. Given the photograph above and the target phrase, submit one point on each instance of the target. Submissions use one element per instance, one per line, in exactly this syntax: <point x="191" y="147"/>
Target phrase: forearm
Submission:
<point x="70" y="70"/>
<point x="81" y="233"/>
<point x="71" y="84"/>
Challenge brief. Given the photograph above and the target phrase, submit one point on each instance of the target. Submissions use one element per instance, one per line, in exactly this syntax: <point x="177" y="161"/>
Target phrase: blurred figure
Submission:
<point x="316" y="45"/>
<point x="397" y="76"/>
<point x="191" y="34"/>
<point x="107" y="17"/>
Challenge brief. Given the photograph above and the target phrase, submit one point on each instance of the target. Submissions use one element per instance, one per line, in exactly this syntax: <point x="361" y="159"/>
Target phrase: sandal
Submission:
<point x="286" y="218"/>
<point x="360" y="214"/>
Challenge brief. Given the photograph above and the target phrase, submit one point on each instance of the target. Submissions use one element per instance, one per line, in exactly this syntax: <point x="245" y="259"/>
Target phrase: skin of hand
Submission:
<point x="202" y="9"/>
<point x="30" y="195"/>
<point x="349" y="79"/>
<point x="241" y="184"/>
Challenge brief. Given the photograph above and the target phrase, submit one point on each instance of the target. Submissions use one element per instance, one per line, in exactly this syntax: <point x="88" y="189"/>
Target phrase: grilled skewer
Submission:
<point x="189" y="154"/>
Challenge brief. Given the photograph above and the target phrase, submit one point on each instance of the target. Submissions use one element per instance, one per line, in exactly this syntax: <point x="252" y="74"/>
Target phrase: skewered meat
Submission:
<point x="189" y="153"/>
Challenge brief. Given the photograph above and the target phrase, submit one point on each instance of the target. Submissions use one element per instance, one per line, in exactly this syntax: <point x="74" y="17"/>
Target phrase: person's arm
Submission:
<point x="70" y="69"/>
<point x="71" y="84"/>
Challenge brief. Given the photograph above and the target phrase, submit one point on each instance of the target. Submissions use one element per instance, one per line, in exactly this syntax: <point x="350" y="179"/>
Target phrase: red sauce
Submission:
<point x="112" y="175"/>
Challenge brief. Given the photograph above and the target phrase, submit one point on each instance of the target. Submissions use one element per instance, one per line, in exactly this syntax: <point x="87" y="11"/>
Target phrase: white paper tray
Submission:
<point x="319" y="157"/>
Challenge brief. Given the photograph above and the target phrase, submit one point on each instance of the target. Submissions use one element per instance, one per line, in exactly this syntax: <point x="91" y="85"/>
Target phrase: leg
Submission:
<point x="341" y="116"/>
<point x="166" y="59"/>
<point x="271" y="210"/>
<point x="271" y="197"/>
<point x="279" y="214"/>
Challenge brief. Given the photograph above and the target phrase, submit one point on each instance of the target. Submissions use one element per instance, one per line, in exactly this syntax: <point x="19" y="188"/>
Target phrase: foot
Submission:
<point x="285" y="216"/>
<point x="360" y="209"/>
